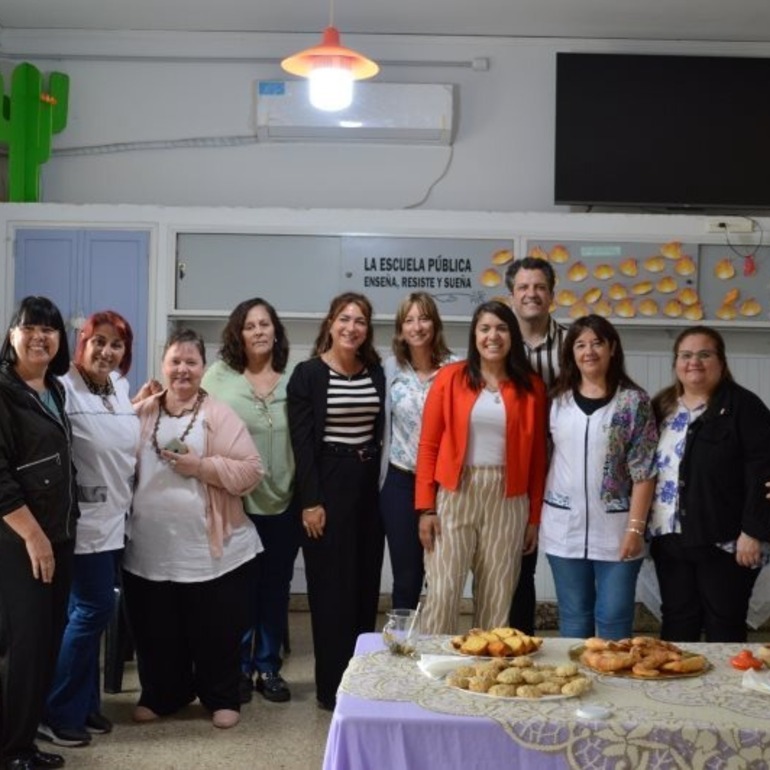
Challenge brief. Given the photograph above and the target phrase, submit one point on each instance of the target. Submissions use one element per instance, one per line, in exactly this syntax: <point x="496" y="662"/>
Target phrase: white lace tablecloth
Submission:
<point x="708" y="721"/>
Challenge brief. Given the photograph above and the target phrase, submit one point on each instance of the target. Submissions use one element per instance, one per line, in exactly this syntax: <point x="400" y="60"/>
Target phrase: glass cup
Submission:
<point x="401" y="631"/>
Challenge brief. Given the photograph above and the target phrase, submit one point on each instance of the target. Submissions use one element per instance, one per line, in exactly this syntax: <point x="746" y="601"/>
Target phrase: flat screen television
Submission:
<point x="662" y="131"/>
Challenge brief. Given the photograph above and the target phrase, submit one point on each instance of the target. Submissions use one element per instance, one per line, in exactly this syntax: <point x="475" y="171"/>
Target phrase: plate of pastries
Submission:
<point x="520" y="678"/>
<point x="502" y="642"/>
<point x="642" y="657"/>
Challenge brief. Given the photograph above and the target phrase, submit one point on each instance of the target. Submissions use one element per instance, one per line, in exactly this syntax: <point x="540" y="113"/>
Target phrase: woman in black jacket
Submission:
<point x="38" y="511"/>
<point x="710" y="521"/>
<point x="336" y="408"/>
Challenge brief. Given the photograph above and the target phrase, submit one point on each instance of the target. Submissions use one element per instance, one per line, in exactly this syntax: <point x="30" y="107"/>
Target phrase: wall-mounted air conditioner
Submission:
<point x="407" y="113"/>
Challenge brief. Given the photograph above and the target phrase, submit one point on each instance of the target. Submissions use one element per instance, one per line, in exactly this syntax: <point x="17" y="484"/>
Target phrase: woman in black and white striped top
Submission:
<point x="335" y="404"/>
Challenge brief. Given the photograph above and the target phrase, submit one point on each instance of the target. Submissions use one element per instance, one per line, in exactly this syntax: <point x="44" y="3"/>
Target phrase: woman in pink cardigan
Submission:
<point x="481" y="468"/>
<point x="190" y="559"/>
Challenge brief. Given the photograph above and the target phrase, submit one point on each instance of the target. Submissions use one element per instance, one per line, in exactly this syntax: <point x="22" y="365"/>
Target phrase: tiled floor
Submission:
<point x="278" y="736"/>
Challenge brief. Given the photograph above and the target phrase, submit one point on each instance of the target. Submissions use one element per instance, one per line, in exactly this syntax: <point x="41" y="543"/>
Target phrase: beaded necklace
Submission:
<point x="103" y="391"/>
<point x="162" y="409"/>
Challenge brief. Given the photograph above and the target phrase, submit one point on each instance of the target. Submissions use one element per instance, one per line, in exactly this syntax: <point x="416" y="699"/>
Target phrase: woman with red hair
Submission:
<point x="105" y="440"/>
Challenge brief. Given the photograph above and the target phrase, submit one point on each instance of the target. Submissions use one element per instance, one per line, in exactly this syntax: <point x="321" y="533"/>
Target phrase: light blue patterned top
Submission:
<point x="404" y="403"/>
<point x="664" y="516"/>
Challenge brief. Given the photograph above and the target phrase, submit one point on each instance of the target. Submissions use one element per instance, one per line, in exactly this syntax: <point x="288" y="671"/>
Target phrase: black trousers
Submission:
<point x="32" y="619"/>
<point x="523" y="605"/>
<point x="343" y="566"/>
<point x="188" y="638"/>
<point x="702" y="590"/>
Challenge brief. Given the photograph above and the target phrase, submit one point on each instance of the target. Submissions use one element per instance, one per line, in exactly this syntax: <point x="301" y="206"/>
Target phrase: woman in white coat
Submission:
<point x="600" y="483"/>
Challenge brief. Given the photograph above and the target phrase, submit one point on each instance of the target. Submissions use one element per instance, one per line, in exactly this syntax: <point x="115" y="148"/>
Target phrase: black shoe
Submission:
<point x="98" y="724"/>
<point x="327" y="705"/>
<point x="45" y="760"/>
<point x="245" y="688"/>
<point x="19" y="763"/>
<point x="273" y="688"/>
<point x="63" y="736"/>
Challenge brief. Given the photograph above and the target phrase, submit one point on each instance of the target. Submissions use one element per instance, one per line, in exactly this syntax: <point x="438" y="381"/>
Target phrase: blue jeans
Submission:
<point x="280" y="536"/>
<point x="401" y="525"/>
<point x="75" y="692"/>
<point x="595" y="597"/>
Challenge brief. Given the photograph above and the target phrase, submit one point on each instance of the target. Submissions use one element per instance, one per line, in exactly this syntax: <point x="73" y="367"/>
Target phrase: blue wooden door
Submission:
<point x="83" y="271"/>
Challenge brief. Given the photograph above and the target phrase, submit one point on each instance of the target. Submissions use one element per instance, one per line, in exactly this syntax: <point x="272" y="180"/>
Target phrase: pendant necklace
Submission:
<point x="162" y="410"/>
<point x="104" y="391"/>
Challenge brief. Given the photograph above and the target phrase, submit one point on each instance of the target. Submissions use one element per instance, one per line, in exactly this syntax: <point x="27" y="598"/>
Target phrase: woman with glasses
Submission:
<point x="599" y="485"/>
<point x="38" y="513"/>
<point x="710" y="521"/>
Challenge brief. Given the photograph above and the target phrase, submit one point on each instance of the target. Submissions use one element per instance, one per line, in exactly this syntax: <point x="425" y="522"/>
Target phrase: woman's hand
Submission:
<point x="41" y="556"/>
<point x="530" y="539"/>
<point x="314" y="521"/>
<point x="430" y="530"/>
<point x="39" y="549"/>
<point x="748" y="551"/>
<point x="187" y="464"/>
<point x="632" y="546"/>
<point x="150" y="388"/>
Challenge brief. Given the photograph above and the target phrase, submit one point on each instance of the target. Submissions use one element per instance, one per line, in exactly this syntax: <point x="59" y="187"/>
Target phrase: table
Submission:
<point x="390" y="716"/>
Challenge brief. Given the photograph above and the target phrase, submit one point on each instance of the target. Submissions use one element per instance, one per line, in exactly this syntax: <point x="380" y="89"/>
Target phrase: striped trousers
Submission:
<point x="481" y="531"/>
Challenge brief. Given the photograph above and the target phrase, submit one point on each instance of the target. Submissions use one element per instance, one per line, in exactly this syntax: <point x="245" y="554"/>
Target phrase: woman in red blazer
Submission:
<point x="481" y="468"/>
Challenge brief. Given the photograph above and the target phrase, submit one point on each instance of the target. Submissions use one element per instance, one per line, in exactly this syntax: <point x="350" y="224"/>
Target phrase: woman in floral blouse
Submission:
<point x="419" y="351"/>
<point x="710" y="521"/>
<point x="600" y="483"/>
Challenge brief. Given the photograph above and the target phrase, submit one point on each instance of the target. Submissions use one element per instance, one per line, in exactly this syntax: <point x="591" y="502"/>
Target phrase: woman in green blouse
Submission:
<point x="251" y="377"/>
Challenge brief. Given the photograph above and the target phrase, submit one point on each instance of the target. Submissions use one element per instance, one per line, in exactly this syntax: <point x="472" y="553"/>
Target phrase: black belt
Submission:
<point x="363" y="452"/>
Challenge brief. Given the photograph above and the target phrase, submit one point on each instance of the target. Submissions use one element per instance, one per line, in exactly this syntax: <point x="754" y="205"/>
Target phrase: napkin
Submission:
<point x="438" y="666"/>
<point x="757" y="681"/>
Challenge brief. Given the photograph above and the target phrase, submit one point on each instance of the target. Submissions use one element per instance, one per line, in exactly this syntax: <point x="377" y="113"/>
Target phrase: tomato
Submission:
<point x="745" y="660"/>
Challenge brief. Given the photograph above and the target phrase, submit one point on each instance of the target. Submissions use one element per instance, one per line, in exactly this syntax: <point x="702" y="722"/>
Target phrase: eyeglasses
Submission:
<point x="32" y="329"/>
<point x="701" y="355"/>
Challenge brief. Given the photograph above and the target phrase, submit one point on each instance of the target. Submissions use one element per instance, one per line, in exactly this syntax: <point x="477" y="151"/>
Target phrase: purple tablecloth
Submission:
<point x="709" y="722"/>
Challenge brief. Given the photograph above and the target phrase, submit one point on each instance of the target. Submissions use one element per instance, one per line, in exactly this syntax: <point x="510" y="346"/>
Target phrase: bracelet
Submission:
<point x="638" y="521"/>
<point x="428" y="513"/>
<point x="313" y="508"/>
<point x="636" y="531"/>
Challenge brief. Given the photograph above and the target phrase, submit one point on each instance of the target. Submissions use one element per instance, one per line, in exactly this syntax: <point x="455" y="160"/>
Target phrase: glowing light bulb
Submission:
<point x="331" y="88"/>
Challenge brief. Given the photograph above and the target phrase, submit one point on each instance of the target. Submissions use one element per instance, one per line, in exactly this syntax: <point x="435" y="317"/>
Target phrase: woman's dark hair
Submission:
<point x="517" y="365"/>
<point x="439" y="352"/>
<point x="665" y="401"/>
<point x="232" y="351"/>
<point x="367" y="352"/>
<point x="121" y="326"/>
<point x="182" y="336"/>
<point x="39" y="311"/>
<point x="569" y="375"/>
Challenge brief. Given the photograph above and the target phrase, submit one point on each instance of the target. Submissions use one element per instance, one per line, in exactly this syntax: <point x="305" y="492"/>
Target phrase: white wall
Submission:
<point x="163" y="87"/>
<point x="647" y="344"/>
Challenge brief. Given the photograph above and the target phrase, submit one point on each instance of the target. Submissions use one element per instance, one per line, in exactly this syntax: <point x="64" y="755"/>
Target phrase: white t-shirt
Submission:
<point x="167" y="532"/>
<point x="486" y="437"/>
<point x="104" y="445"/>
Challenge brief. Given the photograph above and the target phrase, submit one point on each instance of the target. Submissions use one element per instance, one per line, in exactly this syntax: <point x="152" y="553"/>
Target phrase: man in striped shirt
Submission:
<point x="531" y="282"/>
